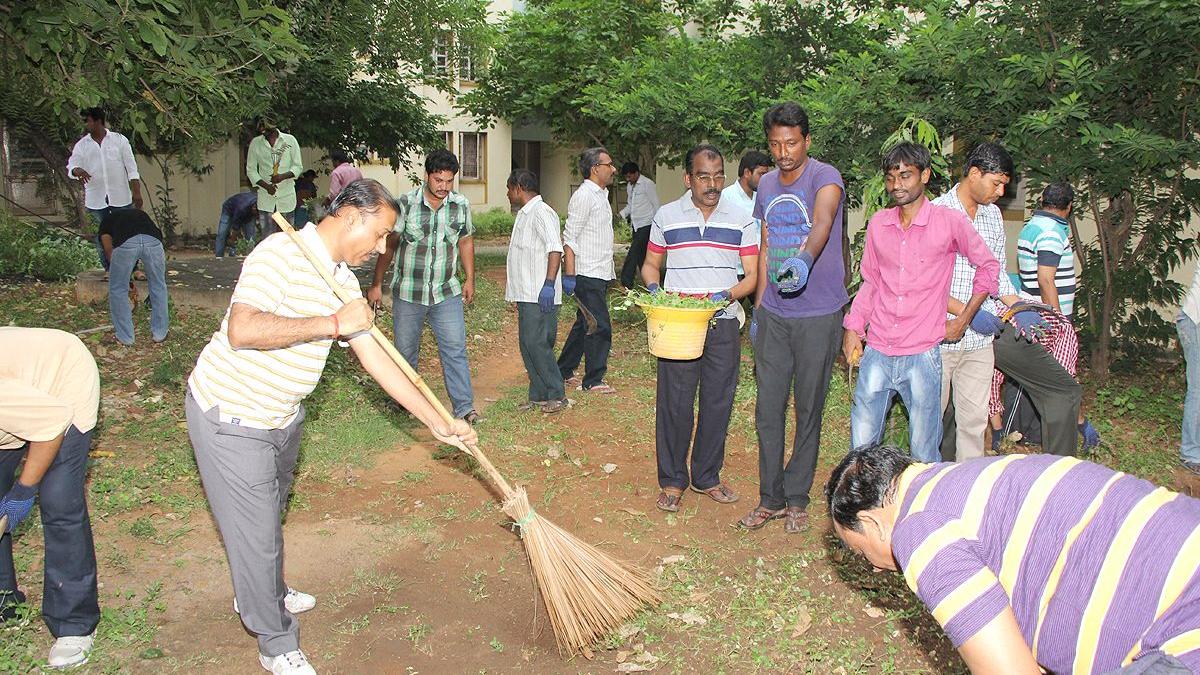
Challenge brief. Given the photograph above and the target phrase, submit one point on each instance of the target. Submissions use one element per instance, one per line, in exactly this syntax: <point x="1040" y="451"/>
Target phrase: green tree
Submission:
<point x="175" y="75"/>
<point x="359" y="88"/>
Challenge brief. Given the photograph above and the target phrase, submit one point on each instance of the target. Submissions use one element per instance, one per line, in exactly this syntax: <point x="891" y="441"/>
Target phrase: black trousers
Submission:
<point x="593" y="294"/>
<point x="70" y="605"/>
<point x="1055" y="393"/>
<point x="536" y="333"/>
<point x="631" y="271"/>
<point x="791" y="356"/>
<point x="715" y="374"/>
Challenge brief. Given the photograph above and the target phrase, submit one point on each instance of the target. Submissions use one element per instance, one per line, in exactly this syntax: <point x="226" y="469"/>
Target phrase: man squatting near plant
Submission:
<point x="243" y="403"/>
<point x="701" y="238"/>
<point x="533" y="284"/>
<point x="907" y="264"/>
<point x="1033" y="562"/>
<point x="967" y="364"/>
<point x="797" y="325"/>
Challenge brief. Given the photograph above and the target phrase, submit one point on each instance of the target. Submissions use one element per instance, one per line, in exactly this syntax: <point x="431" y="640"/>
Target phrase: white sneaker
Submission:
<point x="295" y="602"/>
<point x="70" y="651"/>
<point x="291" y="663"/>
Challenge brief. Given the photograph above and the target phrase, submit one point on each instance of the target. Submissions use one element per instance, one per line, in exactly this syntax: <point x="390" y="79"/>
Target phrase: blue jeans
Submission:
<point x="246" y="226"/>
<point x="149" y="250"/>
<point x="450" y="331"/>
<point x="1189" y="340"/>
<point x="917" y="379"/>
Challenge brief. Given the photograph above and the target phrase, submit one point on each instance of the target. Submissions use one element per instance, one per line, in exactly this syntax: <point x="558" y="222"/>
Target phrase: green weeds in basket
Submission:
<point x="663" y="299"/>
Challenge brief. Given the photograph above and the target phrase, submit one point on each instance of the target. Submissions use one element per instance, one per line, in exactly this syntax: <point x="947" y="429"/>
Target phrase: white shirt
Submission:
<point x="735" y="195"/>
<point x="1191" y="301"/>
<point x="589" y="231"/>
<point x="534" y="238"/>
<point x="111" y="166"/>
<point x="642" y="203"/>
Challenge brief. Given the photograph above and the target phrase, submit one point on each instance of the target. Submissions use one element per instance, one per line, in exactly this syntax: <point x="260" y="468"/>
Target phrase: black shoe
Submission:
<point x="473" y="417"/>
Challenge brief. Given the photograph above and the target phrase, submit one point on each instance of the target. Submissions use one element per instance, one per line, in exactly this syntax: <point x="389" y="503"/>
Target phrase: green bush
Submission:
<point x="493" y="223"/>
<point x="31" y="250"/>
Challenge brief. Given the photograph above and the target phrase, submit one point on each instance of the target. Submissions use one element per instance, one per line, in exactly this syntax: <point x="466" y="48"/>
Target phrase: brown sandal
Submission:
<point x="796" y="520"/>
<point x="759" y="517"/>
<point x="719" y="493"/>
<point x="668" y="499"/>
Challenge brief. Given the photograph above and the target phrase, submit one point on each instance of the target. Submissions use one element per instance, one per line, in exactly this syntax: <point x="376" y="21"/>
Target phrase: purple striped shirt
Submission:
<point x="1098" y="567"/>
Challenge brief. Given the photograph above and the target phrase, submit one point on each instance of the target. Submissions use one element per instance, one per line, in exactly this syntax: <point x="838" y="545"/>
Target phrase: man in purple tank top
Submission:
<point x="797" y="326"/>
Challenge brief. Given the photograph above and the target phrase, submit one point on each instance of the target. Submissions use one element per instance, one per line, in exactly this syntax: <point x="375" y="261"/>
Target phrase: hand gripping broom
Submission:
<point x="587" y="593"/>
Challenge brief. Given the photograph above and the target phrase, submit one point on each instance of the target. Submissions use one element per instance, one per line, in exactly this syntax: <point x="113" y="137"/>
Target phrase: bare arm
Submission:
<point x="40" y="456"/>
<point x="652" y="268"/>
<point x="252" y="328"/>
<point x="384" y="261"/>
<point x="748" y="284"/>
<point x="568" y="261"/>
<point x="107" y="242"/>
<point x="824" y="209"/>
<point x="466" y="255"/>
<point x="552" y="262"/>
<point x="761" y="277"/>
<point x="999" y="649"/>
<point x="1045" y="276"/>
<point x="957" y="327"/>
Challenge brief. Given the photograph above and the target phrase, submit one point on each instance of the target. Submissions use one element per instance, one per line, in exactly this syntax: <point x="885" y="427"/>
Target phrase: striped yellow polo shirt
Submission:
<point x="263" y="388"/>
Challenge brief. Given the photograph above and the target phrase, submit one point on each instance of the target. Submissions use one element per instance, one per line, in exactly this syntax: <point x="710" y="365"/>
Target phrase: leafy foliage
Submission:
<point x="28" y="250"/>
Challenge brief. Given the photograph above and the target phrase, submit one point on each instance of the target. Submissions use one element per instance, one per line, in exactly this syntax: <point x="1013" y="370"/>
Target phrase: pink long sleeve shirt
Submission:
<point x="906" y="277"/>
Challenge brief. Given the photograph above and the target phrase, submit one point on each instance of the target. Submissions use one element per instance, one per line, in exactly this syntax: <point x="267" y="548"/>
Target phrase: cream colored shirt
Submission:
<point x="263" y="388"/>
<point x="48" y="382"/>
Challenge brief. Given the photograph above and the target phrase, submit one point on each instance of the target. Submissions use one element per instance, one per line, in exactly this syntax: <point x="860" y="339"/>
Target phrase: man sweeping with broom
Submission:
<point x="243" y="406"/>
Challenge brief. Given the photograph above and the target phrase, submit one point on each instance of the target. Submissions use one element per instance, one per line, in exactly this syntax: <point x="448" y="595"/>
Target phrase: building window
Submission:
<point x="472" y="155"/>
<point x="440" y="55"/>
<point x="448" y="140"/>
<point x="466" y="64"/>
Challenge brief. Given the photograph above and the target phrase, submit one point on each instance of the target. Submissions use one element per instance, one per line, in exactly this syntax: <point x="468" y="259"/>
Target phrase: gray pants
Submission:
<point x="1153" y="663"/>
<point x="247" y="476"/>
<point x="791" y="357"/>
<point x="536" y="333"/>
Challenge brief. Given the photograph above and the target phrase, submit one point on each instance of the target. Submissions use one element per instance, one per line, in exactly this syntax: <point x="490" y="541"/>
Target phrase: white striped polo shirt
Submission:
<point x="263" y="388"/>
<point x="702" y="257"/>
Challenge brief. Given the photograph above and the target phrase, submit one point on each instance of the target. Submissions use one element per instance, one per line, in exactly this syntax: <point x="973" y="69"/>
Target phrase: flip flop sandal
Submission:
<point x="718" y="493"/>
<point x="796" y="519"/>
<point x="668" y="500"/>
<point x="551" y="407"/>
<point x="601" y="388"/>
<point x="759" y="517"/>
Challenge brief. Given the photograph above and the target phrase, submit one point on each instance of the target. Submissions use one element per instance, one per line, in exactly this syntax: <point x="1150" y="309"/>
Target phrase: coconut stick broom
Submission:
<point x="587" y="593"/>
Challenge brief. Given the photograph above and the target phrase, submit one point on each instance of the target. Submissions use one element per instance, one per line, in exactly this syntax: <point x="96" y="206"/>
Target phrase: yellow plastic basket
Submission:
<point x="676" y="332"/>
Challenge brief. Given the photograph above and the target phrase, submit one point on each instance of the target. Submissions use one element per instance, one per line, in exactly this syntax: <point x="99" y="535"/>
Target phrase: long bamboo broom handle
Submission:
<point x="400" y="361"/>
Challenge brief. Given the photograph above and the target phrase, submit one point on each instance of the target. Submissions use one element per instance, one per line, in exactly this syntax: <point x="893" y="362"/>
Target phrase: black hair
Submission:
<point x="989" y="157"/>
<point x="863" y="480"/>
<point x="311" y="173"/>
<point x="338" y="157"/>
<point x="907" y="153"/>
<point x="588" y="159"/>
<point x="751" y="161"/>
<point x="365" y="194"/>
<point x="1058" y="195"/>
<point x="97" y="113"/>
<point x="524" y="179"/>
<point x="441" y="160"/>
<point x="702" y="149"/>
<point x="786" y="114"/>
<point x="629" y="167"/>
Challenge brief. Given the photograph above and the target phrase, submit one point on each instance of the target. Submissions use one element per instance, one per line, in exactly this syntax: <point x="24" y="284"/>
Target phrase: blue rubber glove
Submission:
<point x="653" y="289"/>
<point x="569" y="284"/>
<point x="1032" y="326"/>
<point x="986" y="323"/>
<point x="17" y="504"/>
<point x="546" y="297"/>
<point x="753" y="329"/>
<point x="793" y="274"/>
<point x="719" y="296"/>
<point x="1091" y="437"/>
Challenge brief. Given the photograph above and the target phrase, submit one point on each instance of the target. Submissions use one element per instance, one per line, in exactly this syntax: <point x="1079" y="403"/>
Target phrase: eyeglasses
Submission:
<point x="606" y="164"/>
<point x="711" y="179"/>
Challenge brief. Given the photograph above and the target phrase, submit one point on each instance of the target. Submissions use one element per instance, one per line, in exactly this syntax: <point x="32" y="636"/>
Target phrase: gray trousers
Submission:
<point x="536" y="333"/>
<point x="1153" y="663"/>
<point x="791" y="357"/>
<point x="247" y="476"/>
